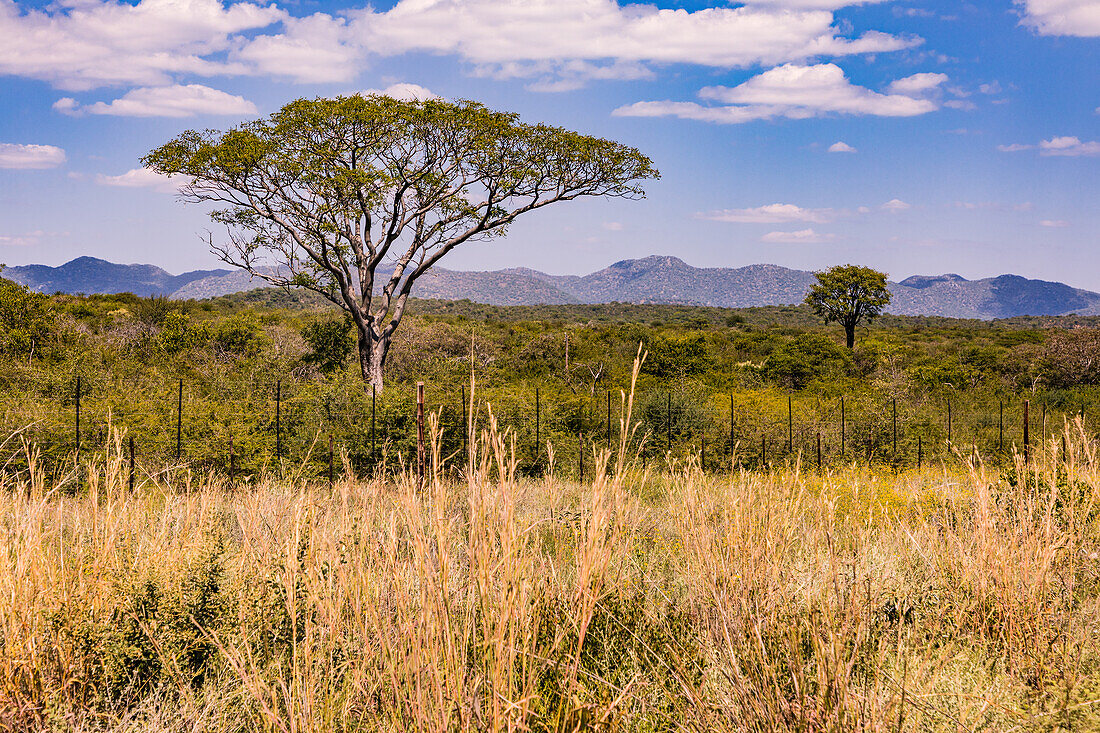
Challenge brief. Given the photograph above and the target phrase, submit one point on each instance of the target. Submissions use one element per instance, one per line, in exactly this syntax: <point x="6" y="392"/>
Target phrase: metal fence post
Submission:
<point x="1027" y="436"/>
<point x="420" y="432"/>
<point x="179" y="423"/>
<point x="278" y="421"/>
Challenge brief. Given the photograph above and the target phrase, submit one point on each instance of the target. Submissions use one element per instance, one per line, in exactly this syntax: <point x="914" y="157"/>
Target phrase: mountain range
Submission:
<point x="654" y="279"/>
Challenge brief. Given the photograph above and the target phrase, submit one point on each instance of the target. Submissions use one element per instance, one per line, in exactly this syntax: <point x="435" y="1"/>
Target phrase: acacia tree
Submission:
<point x="357" y="197"/>
<point x="848" y="295"/>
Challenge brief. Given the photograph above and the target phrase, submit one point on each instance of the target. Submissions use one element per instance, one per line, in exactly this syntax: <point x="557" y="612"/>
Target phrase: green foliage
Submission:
<point x="677" y="356"/>
<point x="237" y="336"/>
<point x="177" y="333"/>
<point x="848" y="295"/>
<point x="338" y="164"/>
<point x="804" y="358"/>
<point x="26" y="319"/>
<point x="330" y="341"/>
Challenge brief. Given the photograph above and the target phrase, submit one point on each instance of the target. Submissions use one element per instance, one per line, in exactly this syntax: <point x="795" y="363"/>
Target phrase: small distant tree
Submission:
<point x="357" y="197"/>
<point x="848" y="295"/>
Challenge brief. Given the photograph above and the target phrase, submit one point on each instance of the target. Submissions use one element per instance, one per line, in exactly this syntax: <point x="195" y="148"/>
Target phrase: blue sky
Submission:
<point x="916" y="137"/>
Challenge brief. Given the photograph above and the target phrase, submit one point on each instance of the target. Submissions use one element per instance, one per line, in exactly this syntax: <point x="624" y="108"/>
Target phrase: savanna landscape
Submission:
<point x="549" y="366"/>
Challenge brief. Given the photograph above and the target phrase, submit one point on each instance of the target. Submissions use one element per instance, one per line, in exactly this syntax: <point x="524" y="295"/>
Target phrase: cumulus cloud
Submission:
<point x="895" y="205"/>
<point x="1062" y="17"/>
<point x="1068" y="146"/>
<point x="405" y="91"/>
<point x="97" y="43"/>
<point x="28" y="157"/>
<point x="178" y="100"/>
<point x="549" y="32"/>
<point x="316" y="49"/>
<point x="917" y="84"/>
<point x="561" y="44"/>
<point x="793" y="91"/>
<point x="770" y="214"/>
<point x="803" y="236"/>
<point x="841" y="147"/>
<point x="1064" y="146"/>
<point x="1054" y="223"/>
<point x="141" y="178"/>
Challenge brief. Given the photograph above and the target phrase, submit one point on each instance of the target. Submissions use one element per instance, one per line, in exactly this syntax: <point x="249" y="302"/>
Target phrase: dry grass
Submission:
<point x="957" y="600"/>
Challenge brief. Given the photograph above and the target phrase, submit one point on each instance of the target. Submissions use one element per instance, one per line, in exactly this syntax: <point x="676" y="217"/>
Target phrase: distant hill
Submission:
<point x="91" y="275"/>
<point x="655" y="279"/>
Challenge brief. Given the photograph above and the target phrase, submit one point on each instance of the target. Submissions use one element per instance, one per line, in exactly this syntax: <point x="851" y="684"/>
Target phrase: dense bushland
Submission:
<point x="230" y="353"/>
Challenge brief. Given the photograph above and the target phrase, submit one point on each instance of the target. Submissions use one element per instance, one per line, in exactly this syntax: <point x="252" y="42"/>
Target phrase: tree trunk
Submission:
<point x="850" y="335"/>
<point x="372" y="357"/>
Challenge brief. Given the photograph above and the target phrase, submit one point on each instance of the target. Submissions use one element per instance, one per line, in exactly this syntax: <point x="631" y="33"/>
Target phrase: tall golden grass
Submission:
<point x="958" y="599"/>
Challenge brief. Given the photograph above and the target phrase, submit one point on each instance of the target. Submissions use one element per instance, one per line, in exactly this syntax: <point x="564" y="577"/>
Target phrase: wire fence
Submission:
<point x="291" y="426"/>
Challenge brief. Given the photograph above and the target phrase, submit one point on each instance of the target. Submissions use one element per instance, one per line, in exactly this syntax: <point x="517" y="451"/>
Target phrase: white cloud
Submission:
<point x="613" y="226"/>
<point x="803" y="236"/>
<point x="141" y="178"/>
<point x="841" y="147"/>
<point x="560" y="44"/>
<point x="542" y="35"/>
<point x="1054" y="223"/>
<point x="917" y="84"/>
<point x="96" y="43"/>
<point x="792" y="91"/>
<point x="1068" y="146"/>
<point x="895" y="205"/>
<point x="16" y="155"/>
<point x="770" y="214"/>
<point x="315" y="49"/>
<point x="177" y="100"/>
<point x="1065" y="146"/>
<point x="21" y="240"/>
<point x="1062" y="17"/>
<point x="404" y="90"/>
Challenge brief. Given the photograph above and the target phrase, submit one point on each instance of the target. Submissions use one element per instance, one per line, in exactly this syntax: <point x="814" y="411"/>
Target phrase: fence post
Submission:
<point x="1027" y="437"/>
<point x="420" y="432"/>
<point x="819" y="452"/>
<point x="1001" y="427"/>
<point x="920" y="452"/>
<point x="895" y="411"/>
<point x="78" y="431"/>
<point x="538" y="410"/>
<point x="131" y="463"/>
<point x="278" y="422"/>
<point x="232" y="463"/>
<point x="763" y="451"/>
<point x="842" y="436"/>
<point x="703" y="452"/>
<point x="179" y="423"/>
<point x="790" y="425"/>
<point x="949" y="420"/>
<point x="580" y="453"/>
<point x="465" y="429"/>
<point x="668" y="421"/>
<point x="330" y="462"/>
<point x="608" y="421"/>
<point x="731" y="425"/>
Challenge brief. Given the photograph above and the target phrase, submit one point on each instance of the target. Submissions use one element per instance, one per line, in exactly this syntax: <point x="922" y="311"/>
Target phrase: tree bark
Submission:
<point x="850" y="335"/>
<point x="372" y="357"/>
